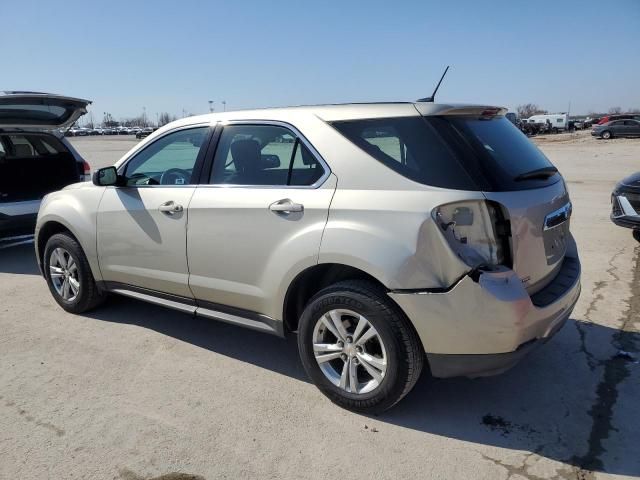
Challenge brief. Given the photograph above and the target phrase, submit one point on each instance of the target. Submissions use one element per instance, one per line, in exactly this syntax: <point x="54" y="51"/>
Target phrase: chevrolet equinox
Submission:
<point x="387" y="235"/>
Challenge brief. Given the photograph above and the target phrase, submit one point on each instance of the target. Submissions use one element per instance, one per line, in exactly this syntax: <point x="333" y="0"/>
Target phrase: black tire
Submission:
<point x="89" y="296"/>
<point x="405" y="355"/>
<point x="636" y="235"/>
<point x="606" y="135"/>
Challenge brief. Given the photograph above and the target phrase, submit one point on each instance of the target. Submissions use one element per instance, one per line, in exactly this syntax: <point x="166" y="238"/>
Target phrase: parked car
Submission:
<point x="386" y="235"/>
<point x="623" y="116"/>
<point x="625" y="204"/>
<point x="529" y="128"/>
<point x="35" y="158"/>
<point x="617" y="128"/>
<point x="145" y="132"/>
<point x="576" y="124"/>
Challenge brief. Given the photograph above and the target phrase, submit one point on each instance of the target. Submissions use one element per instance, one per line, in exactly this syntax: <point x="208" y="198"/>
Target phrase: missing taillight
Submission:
<point x="476" y="231"/>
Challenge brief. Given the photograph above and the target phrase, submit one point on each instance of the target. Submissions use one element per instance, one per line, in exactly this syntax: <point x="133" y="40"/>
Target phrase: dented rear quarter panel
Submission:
<point x="391" y="235"/>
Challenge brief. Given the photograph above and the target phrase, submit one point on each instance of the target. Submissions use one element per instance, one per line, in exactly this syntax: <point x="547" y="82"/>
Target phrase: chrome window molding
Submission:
<point x="123" y="166"/>
<point x="277" y="123"/>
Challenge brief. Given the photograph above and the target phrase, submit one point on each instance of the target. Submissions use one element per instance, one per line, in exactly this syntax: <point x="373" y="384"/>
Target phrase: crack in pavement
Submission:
<point x="592" y="361"/>
<point x="616" y="370"/>
<point x="522" y="470"/>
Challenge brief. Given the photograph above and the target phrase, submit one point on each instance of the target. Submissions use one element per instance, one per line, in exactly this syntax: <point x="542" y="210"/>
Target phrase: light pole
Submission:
<point x="224" y="106"/>
<point x="144" y="116"/>
<point x="211" y="106"/>
<point x="157" y="120"/>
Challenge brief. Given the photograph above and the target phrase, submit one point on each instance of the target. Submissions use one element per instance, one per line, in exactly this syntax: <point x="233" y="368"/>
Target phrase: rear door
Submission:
<point x="632" y="127"/>
<point x="39" y="111"/>
<point x="260" y="217"/>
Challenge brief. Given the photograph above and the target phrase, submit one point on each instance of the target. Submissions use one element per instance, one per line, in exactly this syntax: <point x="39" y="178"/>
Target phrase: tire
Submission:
<point x="636" y="235"/>
<point x="87" y="296"/>
<point x="606" y="135"/>
<point x="393" y="343"/>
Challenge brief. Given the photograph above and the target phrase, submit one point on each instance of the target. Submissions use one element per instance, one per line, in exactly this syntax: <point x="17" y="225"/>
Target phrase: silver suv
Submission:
<point x="386" y="235"/>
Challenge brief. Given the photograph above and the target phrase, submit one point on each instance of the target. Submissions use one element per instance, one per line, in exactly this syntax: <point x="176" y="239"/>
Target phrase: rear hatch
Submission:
<point x="36" y="111"/>
<point x="475" y="148"/>
<point x="511" y="171"/>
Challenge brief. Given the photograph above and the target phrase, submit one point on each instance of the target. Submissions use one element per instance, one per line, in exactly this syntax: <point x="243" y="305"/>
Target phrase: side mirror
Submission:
<point x="105" y="177"/>
<point x="269" y="161"/>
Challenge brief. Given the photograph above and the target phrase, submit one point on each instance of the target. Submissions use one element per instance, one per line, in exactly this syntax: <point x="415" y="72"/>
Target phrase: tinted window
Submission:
<point x="167" y="161"/>
<point x="263" y="155"/>
<point x="411" y="147"/>
<point x="468" y="153"/>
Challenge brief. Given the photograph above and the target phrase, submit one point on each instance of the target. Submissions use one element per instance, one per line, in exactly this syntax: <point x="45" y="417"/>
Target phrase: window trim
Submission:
<point x="220" y="125"/>
<point x="196" y="174"/>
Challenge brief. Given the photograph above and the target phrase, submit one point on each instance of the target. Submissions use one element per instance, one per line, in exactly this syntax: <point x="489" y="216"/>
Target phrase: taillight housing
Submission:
<point x="86" y="171"/>
<point x="476" y="231"/>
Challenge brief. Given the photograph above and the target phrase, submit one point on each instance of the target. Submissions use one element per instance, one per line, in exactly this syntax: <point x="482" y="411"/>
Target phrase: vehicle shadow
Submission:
<point x="558" y="403"/>
<point x="257" y="348"/>
<point x="553" y="404"/>
<point x="19" y="258"/>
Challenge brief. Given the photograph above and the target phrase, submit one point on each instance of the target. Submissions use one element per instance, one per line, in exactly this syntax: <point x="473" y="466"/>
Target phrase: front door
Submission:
<point x="141" y="225"/>
<point x="259" y="219"/>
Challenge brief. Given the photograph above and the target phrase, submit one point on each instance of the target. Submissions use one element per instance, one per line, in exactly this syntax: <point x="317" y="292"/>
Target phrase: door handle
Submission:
<point x="286" y="206"/>
<point x="170" y="208"/>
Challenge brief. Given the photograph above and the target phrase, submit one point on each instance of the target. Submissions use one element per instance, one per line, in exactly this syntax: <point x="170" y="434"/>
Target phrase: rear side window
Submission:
<point x="263" y="155"/>
<point x="31" y="145"/>
<point x="411" y="147"/>
<point x="458" y="152"/>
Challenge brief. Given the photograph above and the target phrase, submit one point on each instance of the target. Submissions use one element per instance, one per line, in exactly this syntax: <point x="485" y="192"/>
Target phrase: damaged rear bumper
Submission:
<point x="486" y="324"/>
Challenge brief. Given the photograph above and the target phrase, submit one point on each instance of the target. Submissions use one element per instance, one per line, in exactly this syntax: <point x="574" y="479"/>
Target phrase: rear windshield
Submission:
<point x="464" y="153"/>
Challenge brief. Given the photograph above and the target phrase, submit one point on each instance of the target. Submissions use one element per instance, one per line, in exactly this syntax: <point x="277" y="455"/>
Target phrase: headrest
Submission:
<point x="246" y="155"/>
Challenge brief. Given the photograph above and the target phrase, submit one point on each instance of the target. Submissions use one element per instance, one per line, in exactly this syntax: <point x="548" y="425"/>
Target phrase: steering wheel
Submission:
<point x="175" y="176"/>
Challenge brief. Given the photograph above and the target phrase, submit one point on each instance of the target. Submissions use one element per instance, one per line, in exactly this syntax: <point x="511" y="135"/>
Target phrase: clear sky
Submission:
<point x="178" y="54"/>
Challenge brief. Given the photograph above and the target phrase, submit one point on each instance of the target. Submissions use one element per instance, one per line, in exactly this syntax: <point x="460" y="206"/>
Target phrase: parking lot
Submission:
<point x="133" y="391"/>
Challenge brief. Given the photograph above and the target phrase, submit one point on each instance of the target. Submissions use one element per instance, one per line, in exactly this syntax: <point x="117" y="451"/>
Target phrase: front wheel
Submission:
<point x="358" y="347"/>
<point x="68" y="275"/>
<point x="606" y="135"/>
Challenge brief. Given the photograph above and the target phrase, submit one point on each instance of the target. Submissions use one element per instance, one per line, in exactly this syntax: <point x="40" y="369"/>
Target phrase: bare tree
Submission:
<point x="165" y="118"/>
<point x="529" y="109"/>
<point x="615" y="110"/>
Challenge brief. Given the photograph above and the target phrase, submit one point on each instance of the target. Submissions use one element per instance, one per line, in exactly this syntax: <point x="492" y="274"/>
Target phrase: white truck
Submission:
<point x="559" y="121"/>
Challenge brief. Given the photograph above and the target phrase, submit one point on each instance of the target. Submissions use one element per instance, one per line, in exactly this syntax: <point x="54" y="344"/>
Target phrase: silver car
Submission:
<point x="386" y="235"/>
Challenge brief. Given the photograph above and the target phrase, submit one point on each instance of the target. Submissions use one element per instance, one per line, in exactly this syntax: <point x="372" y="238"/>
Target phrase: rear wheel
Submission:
<point x="358" y="347"/>
<point x="68" y="275"/>
<point x="606" y="135"/>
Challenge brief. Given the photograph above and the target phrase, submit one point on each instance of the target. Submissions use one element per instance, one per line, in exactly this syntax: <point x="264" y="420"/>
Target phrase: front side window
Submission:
<point x="263" y="155"/>
<point x="170" y="160"/>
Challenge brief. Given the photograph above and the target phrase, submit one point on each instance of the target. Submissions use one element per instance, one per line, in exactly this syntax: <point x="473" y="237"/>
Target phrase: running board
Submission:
<point x="223" y="313"/>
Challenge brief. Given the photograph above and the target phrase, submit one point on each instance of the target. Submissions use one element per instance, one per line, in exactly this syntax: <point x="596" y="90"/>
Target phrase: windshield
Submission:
<point x="459" y="152"/>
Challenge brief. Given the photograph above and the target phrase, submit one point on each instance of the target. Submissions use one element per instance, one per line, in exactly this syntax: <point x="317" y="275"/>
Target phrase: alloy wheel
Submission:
<point x="63" y="271"/>
<point x="349" y="351"/>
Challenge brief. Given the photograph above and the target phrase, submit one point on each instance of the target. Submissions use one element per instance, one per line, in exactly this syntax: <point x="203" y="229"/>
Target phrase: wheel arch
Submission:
<point x="53" y="226"/>
<point x="313" y="279"/>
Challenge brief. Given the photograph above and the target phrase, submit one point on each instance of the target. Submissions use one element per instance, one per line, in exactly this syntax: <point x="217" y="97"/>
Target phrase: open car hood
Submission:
<point x="39" y="111"/>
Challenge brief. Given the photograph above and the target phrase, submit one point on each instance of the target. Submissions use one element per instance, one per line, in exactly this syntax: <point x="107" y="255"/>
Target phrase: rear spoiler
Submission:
<point x="471" y="110"/>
